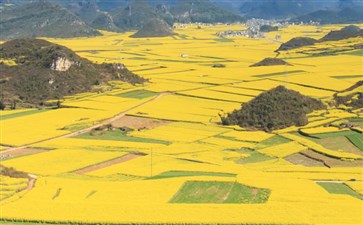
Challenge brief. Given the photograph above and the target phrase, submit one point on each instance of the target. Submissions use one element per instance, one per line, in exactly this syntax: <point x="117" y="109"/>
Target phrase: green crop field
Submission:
<point x="339" y="188"/>
<point x="219" y="192"/>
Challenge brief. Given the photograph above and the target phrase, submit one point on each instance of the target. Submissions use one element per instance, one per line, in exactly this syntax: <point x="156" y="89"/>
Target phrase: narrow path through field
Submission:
<point x="329" y="181"/>
<point x="108" y="163"/>
<point x="85" y="130"/>
<point x="31" y="182"/>
<point x="19" y="152"/>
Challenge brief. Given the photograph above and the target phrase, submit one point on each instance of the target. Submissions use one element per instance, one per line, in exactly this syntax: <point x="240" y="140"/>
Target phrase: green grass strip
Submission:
<point x="223" y="39"/>
<point x="334" y="134"/>
<point x="339" y="188"/>
<point x="254" y="157"/>
<point x="118" y="135"/>
<point x="280" y="73"/>
<point x="357" y="140"/>
<point x="356" y="53"/>
<point x="137" y="94"/>
<point x="347" y="77"/>
<point x="171" y="174"/>
<point x="20" y="114"/>
<point x="275" y="140"/>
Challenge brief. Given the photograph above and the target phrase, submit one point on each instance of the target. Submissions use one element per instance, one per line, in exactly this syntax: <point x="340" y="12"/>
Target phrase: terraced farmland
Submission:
<point x="157" y="153"/>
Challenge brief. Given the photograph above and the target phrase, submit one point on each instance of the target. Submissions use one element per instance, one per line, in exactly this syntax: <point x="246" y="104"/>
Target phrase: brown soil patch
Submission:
<point x="109" y="163"/>
<point x="300" y="159"/>
<point x="19" y="152"/>
<point x="311" y="158"/>
<point x="134" y="122"/>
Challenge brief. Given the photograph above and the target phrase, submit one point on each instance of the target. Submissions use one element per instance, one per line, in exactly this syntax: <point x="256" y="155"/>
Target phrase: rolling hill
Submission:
<point x="154" y="28"/>
<point x="347" y="32"/>
<point x="277" y="108"/>
<point x="42" y="70"/>
<point x="344" y="33"/>
<point x="296" y="43"/>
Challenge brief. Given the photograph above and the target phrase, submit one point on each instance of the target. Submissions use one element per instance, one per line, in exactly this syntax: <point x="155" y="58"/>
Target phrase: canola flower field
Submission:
<point x="187" y="168"/>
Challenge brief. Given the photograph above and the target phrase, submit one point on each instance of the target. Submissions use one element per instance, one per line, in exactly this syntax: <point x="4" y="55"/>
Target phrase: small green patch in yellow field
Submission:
<point x="219" y="192"/>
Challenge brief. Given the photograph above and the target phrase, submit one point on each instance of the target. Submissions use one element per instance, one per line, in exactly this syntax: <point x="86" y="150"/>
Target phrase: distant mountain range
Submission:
<point x="128" y="14"/>
<point x="284" y="9"/>
<point x="345" y="16"/>
<point x="42" y="19"/>
<point x="72" y="18"/>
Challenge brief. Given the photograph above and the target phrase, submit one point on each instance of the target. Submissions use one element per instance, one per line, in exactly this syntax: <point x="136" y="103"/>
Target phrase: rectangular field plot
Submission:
<point x="138" y="94"/>
<point x="108" y="103"/>
<point x="341" y="143"/>
<point x="118" y="135"/>
<point x="357" y="186"/>
<point x="253" y="136"/>
<point x="179" y="132"/>
<point x="340" y="189"/>
<point x="163" y="85"/>
<point x="317" y="82"/>
<point x="171" y="174"/>
<point x="60" y="161"/>
<point x="215" y="95"/>
<point x="154" y="164"/>
<point x="219" y="192"/>
<point x="19" y="113"/>
<point x="283" y="150"/>
<point x="321" y="149"/>
<point x="234" y="89"/>
<point x="228" y="143"/>
<point x="357" y="140"/>
<point x="97" y="145"/>
<point x="182" y="108"/>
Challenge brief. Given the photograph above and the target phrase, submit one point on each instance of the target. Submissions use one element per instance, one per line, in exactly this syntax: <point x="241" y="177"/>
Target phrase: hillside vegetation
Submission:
<point x="270" y="62"/>
<point x="297" y="43"/>
<point x="277" y="108"/>
<point x="44" y="71"/>
<point x="201" y="11"/>
<point x="347" y="32"/>
<point x="154" y="28"/>
<point x="344" y="33"/>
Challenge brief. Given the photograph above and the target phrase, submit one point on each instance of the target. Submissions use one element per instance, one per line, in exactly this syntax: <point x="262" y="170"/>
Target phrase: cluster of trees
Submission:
<point x="277" y="108"/>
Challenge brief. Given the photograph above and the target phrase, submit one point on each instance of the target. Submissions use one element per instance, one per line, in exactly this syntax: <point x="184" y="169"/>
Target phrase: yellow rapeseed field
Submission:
<point x="134" y="176"/>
